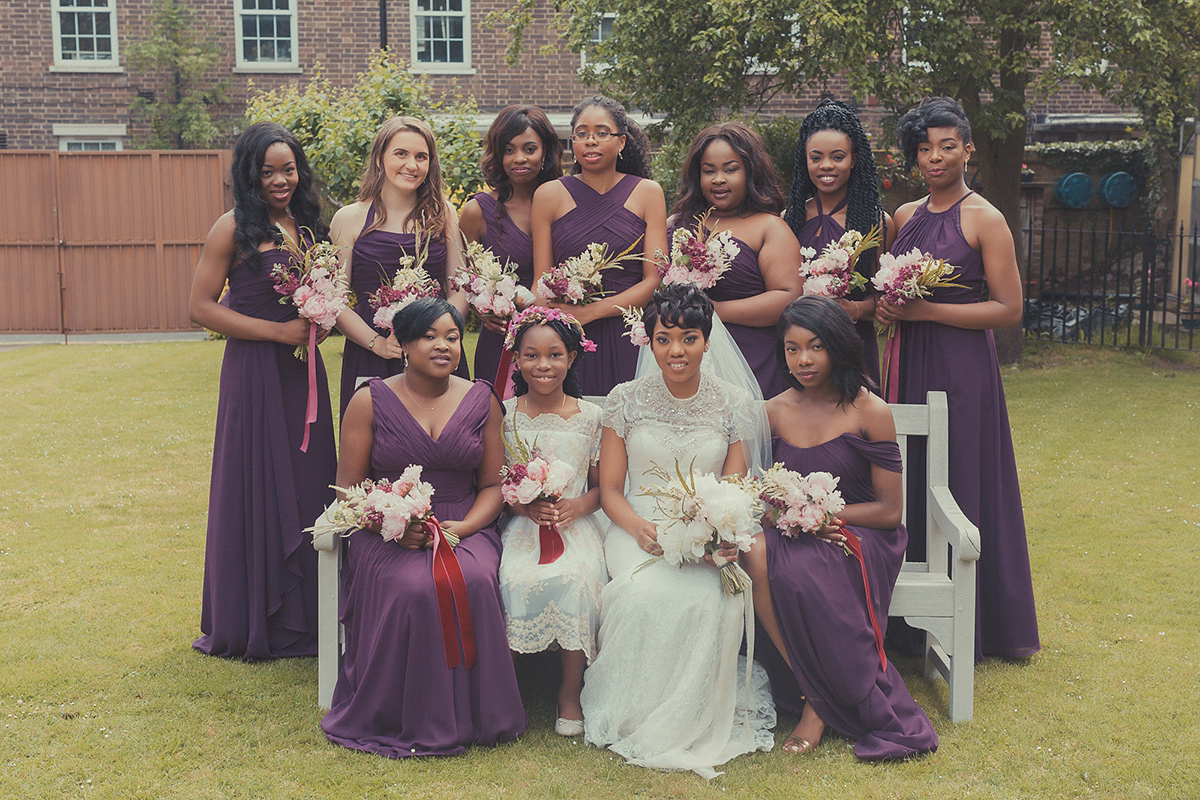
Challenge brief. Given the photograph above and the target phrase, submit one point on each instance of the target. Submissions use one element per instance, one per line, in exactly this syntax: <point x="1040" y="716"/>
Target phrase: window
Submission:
<point x="604" y="27"/>
<point x="441" y="35"/>
<point x="85" y="36"/>
<point x="88" y="145"/>
<point x="266" y="35"/>
<point x="89" y="138"/>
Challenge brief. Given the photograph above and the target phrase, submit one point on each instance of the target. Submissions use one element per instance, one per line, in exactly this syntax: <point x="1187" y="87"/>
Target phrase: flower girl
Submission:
<point x="552" y="569"/>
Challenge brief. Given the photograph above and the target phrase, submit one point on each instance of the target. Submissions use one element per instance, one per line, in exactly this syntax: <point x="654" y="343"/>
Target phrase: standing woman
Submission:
<point x="945" y="343"/>
<point x="401" y="210"/>
<point x="260" y="570"/>
<point x="521" y="152"/>
<point x="834" y="189"/>
<point x="729" y="171"/>
<point x="610" y="199"/>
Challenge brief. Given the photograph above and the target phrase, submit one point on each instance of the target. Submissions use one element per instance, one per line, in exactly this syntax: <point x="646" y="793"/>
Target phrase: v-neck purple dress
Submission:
<point x="603" y="218"/>
<point x="394" y="695"/>
<point x="983" y="468"/>
<point x="260" y="569"/>
<point x="502" y="236"/>
<point x="817" y="593"/>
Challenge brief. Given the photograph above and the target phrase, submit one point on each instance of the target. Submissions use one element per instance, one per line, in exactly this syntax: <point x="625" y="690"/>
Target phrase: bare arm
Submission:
<point x="471" y="221"/>
<point x="343" y="232"/>
<point x="549" y="203"/>
<point x="454" y="257"/>
<point x="779" y="262"/>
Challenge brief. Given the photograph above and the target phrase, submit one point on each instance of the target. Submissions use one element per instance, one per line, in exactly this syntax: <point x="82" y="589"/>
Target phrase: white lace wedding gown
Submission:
<point x="666" y="689"/>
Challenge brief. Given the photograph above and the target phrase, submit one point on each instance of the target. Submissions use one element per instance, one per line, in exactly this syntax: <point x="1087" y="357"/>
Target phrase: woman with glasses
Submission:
<point x="609" y="199"/>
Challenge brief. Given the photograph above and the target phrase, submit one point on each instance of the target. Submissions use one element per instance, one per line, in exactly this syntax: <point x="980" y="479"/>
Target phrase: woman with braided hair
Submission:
<point x="834" y="189"/>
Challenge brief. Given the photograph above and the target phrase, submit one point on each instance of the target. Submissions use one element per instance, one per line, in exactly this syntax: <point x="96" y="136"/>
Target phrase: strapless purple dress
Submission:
<point x="260" y="569"/>
<point x="508" y="242"/>
<point x="394" y="695"/>
<point x="817" y="593"/>
<point x="983" y="468"/>
<point x="602" y="218"/>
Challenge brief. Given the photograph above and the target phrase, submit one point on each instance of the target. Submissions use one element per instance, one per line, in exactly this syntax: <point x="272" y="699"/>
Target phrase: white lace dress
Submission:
<point x="556" y="604"/>
<point x="667" y="689"/>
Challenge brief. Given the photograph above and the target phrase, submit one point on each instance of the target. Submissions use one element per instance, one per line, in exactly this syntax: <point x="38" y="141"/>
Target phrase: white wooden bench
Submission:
<point x="936" y="596"/>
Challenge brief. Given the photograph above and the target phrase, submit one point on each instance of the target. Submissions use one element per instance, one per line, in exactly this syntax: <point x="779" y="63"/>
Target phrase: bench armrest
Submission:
<point x="960" y="533"/>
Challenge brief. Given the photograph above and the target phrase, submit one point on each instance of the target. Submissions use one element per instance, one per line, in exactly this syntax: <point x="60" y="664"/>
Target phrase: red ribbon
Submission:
<point x="855" y="547"/>
<point x="503" y="382"/>
<point x="451" y="589"/>
<point x="551" y="543"/>
<point x="310" y="414"/>
<point x="891" y="365"/>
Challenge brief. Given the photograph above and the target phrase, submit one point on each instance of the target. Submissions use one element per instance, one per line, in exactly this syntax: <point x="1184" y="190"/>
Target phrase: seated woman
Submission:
<point x="397" y="695"/>
<point x="808" y="593"/>
<point x="665" y="689"/>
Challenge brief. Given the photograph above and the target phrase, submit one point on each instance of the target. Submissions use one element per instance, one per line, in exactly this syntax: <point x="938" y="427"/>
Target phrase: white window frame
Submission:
<point x="597" y="37"/>
<point x="90" y="134"/>
<point x="63" y="64"/>
<point x="415" y="17"/>
<point x="244" y="65"/>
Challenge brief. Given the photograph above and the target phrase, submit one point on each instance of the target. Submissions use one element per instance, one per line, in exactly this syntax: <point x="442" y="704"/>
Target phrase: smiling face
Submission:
<point x="723" y="177"/>
<point x="436" y="352"/>
<point x="679" y="352"/>
<point x="942" y="158"/>
<point x="543" y="359"/>
<point x="807" y="359"/>
<point x="830" y="157"/>
<point x="406" y="161"/>
<point x="278" y="176"/>
<point x="522" y="158"/>
<point x="595" y="142"/>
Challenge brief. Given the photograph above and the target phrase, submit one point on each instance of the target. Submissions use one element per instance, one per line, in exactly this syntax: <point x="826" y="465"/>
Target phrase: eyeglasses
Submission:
<point x="600" y="136"/>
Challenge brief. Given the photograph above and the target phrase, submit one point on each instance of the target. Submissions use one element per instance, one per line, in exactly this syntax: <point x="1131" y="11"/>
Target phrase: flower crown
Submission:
<point x="539" y="315"/>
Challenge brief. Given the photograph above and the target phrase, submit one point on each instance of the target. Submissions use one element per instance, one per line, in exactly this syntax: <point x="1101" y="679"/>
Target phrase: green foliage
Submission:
<point x="176" y="58"/>
<point x="337" y="125"/>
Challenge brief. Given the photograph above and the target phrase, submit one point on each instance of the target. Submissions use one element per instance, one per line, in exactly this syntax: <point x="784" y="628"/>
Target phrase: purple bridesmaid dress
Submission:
<point x="260" y="569"/>
<point x="820" y="231"/>
<point x="603" y="218"/>
<point x="817" y="593"/>
<point x="983" y="469"/>
<point x="395" y="696"/>
<point x="502" y="236"/>
<point x="375" y="259"/>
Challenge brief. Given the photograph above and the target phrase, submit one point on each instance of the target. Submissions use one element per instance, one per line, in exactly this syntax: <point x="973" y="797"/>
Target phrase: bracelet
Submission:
<point x="856" y="318"/>
<point x="371" y="344"/>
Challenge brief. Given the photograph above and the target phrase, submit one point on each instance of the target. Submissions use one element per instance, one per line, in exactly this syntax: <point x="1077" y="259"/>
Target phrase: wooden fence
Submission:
<point x="104" y="242"/>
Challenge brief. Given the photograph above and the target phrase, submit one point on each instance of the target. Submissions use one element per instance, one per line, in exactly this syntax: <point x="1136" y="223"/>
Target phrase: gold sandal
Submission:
<point x="798" y="745"/>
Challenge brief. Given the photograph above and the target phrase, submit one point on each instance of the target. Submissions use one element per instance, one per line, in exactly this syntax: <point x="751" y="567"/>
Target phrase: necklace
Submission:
<point x="413" y="397"/>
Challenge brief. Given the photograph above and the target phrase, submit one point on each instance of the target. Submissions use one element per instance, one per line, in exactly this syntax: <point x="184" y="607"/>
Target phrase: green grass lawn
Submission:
<point x="104" y="465"/>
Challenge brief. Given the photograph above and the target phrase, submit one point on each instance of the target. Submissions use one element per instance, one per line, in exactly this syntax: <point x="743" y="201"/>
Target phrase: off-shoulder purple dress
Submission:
<point x="394" y="695"/>
<point x="376" y="257"/>
<point x="820" y="231"/>
<point x="818" y="597"/>
<point x="983" y="468"/>
<point x="508" y="242"/>
<point x="260" y="569"/>
<point x="603" y="218"/>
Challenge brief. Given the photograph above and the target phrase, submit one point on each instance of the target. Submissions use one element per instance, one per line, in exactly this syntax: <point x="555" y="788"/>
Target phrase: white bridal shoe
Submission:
<point x="567" y="727"/>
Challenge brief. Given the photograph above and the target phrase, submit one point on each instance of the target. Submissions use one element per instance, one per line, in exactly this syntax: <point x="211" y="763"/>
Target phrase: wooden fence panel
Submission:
<point x="30" y="298"/>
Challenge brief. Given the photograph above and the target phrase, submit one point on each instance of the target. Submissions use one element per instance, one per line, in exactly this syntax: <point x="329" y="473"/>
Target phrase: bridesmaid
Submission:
<point x="808" y="595"/>
<point x="260" y="570"/>
<point x="402" y="195"/>
<point x="945" y="343"/>
<point x="396" y="695"/>
<point x="835" y="189"/>
<point x="610" y="199"/>
<point x="521" y="152"/>
<point x="729" y="170"/>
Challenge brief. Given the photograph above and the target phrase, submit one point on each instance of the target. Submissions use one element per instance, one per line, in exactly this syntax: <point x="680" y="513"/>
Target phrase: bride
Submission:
<point x="666" y="689"/>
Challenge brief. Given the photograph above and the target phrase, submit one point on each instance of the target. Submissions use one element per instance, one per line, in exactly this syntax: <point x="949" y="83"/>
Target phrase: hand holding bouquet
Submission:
<point x="313" y="280"/>
<point x="798" y="503"/>
<point x="911" y="276"/>
<point x="535" y="474"/>
<point x="832" y="274"/>
<point x="698" y="256"/>
<point x="577" y="280"/>
<point x="388" y="507"/>
<point x="491" y="287"/>
<point x="410" y="282"/>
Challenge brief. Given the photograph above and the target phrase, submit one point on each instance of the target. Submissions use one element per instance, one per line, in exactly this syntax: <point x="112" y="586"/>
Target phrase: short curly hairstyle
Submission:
<point x="933" y="112"/>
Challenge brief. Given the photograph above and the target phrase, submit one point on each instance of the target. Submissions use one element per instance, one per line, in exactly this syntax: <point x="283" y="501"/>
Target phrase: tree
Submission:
<point x="176" y="58"/>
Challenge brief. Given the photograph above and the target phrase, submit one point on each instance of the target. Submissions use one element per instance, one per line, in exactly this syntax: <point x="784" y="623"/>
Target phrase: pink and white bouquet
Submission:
<point x="701" y="511"/>
<point x="832" y="274"/>
<point x="491" y="287"/>
<point x="313" y="280"/>
<point x="635" y="328"/>
<point x="698" y="256"/>
<point x="535" y="474"/>
<point x="386" y="506"/>
<point x="410" y="282"/>
<point x="577" y="280"/>
<point x="900" y="278"/>
<point x="798" y="503"/>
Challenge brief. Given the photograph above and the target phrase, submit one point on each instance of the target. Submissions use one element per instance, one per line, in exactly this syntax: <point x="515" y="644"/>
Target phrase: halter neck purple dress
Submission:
<point x="820" y="231"/>
<point x="602" y="218"/>
<point x="502" y="236"/>
<point x="260" y="569"/>
<point x="817" y="594"/>
<point x="983" y="469"/>
<point x="375" y="259"/>
<point x="394" y="695"/>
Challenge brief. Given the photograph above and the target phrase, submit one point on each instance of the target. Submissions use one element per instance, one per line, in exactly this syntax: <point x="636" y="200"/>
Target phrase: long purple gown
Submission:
<point x="744" y="279"/>
<point x="603" y="218"/>
<point x="394" y="695"/>
<point x="983" y="469"/>
<point x="817" y="593"/>
<point x="374" y="261"/>
<point x="820" y="231"/>
<point x="260" y="569"/>
<point x="508" y="242"/>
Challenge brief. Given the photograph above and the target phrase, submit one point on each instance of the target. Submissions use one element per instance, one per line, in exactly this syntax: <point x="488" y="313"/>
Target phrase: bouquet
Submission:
<point x="410" y="282"/>
<point x="388" y="506"/>
<point x="700" y="512"/>
<point x="636" y="328"/>
<point x="491" y="287"/>
<point x="313" y="280"/>
<point x="798" y="503"/>
<point x="536" y="474"/>
<point x="698" y="256"/>
<point x="832" y="274"/>
<point x="577" y="280"/>
<point x="910" y="276"/>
